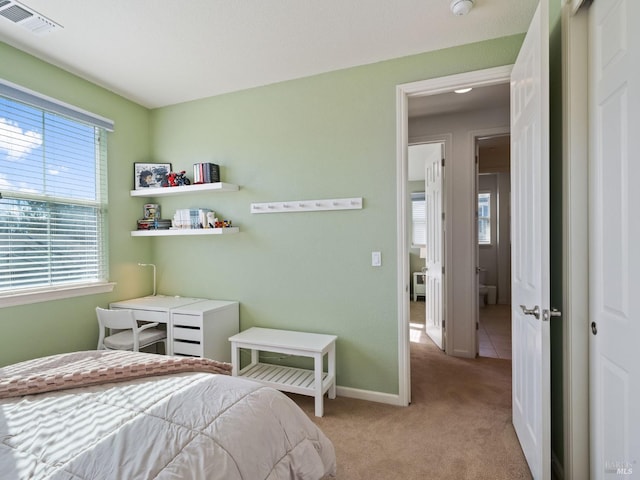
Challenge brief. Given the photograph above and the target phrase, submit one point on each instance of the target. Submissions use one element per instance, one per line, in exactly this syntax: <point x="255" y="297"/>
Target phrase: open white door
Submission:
<point x="530" y="252"/>
<point x="614" y="239"/>
<point x="434" y="263"/>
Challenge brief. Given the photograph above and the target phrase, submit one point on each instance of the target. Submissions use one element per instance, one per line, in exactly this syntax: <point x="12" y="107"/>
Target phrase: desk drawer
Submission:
<point x="149" y="316"/>
<point x="184" y="348"/>
<point x="193" y="334"/>
<point x="181" y="319"/>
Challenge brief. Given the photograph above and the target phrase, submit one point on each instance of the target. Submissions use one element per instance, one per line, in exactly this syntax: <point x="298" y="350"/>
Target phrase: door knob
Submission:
<point x="535" y="311"/>
<point x="546" y="314"/>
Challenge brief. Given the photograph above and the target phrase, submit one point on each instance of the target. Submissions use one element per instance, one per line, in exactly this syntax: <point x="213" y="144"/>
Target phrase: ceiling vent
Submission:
<point x="27" y="17"/>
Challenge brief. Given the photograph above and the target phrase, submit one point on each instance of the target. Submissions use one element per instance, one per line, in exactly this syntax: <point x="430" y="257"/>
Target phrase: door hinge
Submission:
<point x="443" y="162"/>
<point x="443" y="216"/>
<point x="443" y="270"/>
<point x="477" y="325"/>
<point x="443" y="324"/>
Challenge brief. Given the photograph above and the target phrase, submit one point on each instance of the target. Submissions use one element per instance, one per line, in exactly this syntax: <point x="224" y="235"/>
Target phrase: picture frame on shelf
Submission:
<point x="150" y="175"/>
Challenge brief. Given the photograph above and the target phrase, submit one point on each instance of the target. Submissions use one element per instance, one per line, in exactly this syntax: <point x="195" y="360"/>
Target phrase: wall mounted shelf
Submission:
<point x="308" y="205"/>
<point x="169" y="191"/>
<point x="184" y="231"/>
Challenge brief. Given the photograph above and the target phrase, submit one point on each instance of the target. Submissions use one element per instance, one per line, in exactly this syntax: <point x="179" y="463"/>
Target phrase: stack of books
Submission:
<point x="153" y="224"/>
<point x="206" y="173"/>
<point x="192" y="218"/>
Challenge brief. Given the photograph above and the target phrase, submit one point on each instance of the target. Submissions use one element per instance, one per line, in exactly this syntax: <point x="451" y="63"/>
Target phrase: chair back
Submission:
<point x="116" y="319"/>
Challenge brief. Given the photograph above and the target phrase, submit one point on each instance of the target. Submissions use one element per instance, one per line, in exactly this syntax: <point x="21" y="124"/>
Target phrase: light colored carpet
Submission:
<point x="458" y="425"/>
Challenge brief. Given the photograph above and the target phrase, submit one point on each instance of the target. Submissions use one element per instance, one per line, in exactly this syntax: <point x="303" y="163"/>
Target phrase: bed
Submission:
<point x="125" y="415"/>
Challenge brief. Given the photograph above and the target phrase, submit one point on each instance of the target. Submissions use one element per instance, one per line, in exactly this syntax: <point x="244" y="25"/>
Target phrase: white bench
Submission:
<point x="314" y="382"/>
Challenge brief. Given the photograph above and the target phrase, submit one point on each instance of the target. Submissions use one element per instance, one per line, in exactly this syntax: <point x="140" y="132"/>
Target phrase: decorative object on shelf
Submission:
<point x="177" y="179"/>
<point x="150" y="175"/>
<point x="192" y="218"/>
<point x="206" y="173"/>
<point x="308" y="205"/>
<point x="151" y="211"/>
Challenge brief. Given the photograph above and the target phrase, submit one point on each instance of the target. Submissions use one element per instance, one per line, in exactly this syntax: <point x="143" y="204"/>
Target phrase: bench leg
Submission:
<point x="317" y="370"/>
<point x="332" y="371"/>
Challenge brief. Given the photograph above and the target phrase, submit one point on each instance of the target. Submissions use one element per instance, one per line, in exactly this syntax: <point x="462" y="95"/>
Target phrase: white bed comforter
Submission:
<point x="180" y="426"/>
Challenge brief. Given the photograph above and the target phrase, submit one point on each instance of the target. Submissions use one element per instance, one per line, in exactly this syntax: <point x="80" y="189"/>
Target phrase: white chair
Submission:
<point x="131" y="337"/>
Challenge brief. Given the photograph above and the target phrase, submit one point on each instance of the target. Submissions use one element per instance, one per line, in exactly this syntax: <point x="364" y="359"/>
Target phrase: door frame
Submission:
<point x="575" y="198"/>
<point x="478" y="78"/>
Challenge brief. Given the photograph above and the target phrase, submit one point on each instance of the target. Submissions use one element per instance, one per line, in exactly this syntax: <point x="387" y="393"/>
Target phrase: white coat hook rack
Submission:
<point x="308" y="205"/>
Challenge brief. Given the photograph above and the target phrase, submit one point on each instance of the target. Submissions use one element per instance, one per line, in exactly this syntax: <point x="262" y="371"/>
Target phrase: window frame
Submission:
<point x="417" y="197"/>
<point x="28" y="295"/>
<point x="489" y="218"/>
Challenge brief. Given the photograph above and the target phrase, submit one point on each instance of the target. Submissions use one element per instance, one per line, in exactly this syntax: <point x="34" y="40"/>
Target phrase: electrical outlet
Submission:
<point x="376" y="259"/>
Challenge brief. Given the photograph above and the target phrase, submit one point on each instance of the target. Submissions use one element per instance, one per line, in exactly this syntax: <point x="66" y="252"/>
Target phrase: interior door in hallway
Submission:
<point x="434" y="261"/>
<point x="530" y="248"/>
<point x="614" y="255"/>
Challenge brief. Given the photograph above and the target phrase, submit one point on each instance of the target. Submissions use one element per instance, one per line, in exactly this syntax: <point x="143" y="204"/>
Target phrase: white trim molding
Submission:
<point x="57" y="293"/>
<point x="575" y="235"/>
<point x="369" y="395"/>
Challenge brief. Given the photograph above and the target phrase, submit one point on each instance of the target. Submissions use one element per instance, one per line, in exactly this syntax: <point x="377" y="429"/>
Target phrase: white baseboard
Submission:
<point x="556" y="467"/>
<point x="388" y="398"/>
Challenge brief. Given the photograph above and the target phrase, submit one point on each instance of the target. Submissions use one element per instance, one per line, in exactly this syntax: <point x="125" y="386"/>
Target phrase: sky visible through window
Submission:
<point x="45" y="154"/>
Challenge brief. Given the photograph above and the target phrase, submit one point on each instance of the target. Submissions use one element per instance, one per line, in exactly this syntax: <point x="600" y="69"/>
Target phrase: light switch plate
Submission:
<point x="376" y="259"/>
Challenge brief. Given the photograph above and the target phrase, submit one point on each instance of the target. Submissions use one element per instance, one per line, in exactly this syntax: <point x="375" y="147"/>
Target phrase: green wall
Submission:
<point x="66" y="325"/>
<point x="326" y="136"/>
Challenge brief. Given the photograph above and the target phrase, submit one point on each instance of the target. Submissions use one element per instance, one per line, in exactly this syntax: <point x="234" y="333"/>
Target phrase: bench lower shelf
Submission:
<point x="288" y="379"/>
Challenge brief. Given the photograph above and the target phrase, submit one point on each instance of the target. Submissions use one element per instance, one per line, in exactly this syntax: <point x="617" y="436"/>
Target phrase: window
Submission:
<point x="53" y="208"/>
<point x="484" y="218"/>
<point x="419" y="219"/>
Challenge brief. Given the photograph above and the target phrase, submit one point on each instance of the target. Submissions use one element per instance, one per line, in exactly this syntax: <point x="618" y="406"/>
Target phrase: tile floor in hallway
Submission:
<point x="494" y="334"/>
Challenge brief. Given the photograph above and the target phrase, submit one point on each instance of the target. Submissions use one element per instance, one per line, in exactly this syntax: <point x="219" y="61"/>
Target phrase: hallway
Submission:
<point x="494" y="334"/>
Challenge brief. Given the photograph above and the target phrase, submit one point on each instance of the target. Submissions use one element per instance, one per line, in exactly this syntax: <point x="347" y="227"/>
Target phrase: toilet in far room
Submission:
<point x="486" y="293"/>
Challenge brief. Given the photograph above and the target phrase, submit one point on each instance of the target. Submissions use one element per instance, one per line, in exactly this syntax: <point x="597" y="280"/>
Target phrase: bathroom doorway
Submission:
<point x="493" y="272"/>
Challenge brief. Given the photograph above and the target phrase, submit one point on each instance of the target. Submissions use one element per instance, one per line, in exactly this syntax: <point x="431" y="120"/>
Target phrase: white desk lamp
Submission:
<point x="154" y="274"/>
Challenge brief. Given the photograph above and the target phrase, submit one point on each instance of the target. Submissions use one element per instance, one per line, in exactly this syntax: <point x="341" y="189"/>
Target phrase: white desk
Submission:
<point x="314" y="382"/>
<point x="196" y="327"/>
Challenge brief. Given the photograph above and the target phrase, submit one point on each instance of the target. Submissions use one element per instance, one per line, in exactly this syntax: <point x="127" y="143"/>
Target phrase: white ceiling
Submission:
<point x="159" y="53"/>
<point x="484" y="98"/>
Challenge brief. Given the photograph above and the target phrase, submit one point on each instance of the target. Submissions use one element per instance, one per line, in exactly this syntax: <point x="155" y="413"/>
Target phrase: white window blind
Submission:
<point x="419" y="219"/>
<point x="54" y="193"/>
<point x="484" y="218"/>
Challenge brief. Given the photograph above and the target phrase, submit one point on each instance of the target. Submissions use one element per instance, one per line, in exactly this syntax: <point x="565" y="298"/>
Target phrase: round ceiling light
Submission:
<point x="461" y="7"/>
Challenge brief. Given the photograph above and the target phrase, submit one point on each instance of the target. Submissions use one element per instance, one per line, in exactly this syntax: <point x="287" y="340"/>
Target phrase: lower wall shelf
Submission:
<point x="184" y="231"/>
<point x="288" y="379"/>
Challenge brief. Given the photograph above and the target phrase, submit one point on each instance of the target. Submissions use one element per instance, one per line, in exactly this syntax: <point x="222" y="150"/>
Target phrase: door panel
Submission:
<point x="434" y="261"/>
<point x="530" y="253"/>
<point x="614" y="257"/>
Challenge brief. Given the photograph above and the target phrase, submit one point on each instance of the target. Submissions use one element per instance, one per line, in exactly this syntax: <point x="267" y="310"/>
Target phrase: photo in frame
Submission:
<point x="150" y="175"/>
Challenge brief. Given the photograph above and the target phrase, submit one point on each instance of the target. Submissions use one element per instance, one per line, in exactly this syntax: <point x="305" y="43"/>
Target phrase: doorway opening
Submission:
<point x="493" y="190"/>
<point x="426" y="159"/>
<point x="460" y="298"/>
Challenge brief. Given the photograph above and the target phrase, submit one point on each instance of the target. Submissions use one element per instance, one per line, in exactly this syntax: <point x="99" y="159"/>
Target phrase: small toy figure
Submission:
<point x="177" y="179"/>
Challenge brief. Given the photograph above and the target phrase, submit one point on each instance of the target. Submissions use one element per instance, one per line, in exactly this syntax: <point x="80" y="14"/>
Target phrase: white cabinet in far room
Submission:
<point x="202" y="329"/>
